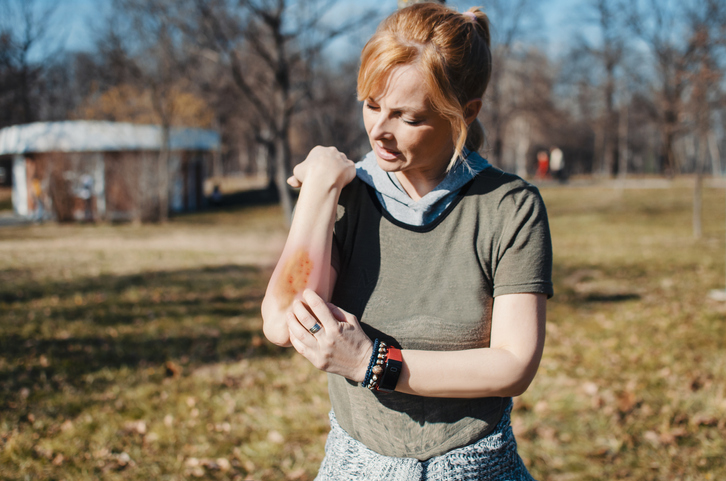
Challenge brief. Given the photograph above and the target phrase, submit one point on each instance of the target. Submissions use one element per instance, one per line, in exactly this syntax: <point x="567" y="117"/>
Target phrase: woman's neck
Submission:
<point x="417" y="186"/>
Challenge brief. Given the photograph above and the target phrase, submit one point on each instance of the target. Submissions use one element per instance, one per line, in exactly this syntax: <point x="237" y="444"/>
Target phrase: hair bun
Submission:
<point x="480" y="18"/>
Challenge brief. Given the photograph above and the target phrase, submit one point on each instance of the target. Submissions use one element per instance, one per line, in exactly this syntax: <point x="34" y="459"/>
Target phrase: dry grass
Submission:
<point x="132" y="352"/>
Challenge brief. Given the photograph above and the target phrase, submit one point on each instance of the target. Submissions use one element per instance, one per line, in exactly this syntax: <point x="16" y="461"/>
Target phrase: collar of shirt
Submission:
<point x="403" y="208"/>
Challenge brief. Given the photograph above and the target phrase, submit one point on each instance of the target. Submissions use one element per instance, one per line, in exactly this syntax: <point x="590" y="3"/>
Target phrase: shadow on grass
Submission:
<point x="107" y="286"/>
<point x="602" y="297"/>
<point x="578" y="285"/>
<point x="54" y="334"/>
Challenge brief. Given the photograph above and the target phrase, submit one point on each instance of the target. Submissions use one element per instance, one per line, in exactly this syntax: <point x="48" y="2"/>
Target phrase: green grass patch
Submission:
<point x="136" y="352"/>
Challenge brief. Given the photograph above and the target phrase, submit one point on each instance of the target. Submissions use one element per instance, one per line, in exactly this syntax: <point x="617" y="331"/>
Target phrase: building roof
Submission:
<point x="99" y="136"/>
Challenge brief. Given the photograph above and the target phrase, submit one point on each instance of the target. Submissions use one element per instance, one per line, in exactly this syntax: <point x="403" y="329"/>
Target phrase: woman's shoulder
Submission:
<point x="498" y="184"/>
<point x="353" y="190"/>
<point x="364" y="178"/>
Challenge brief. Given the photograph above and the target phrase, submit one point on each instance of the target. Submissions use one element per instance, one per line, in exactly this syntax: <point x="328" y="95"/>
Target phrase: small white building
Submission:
<point x="93" y="170"/>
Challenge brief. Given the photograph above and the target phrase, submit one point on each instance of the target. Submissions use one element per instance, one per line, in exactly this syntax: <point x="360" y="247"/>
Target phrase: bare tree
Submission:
<point x="24" y="32"/>
<point x="335" y="118"/>
<point x="609" y="55"/>
<point x="705" y="92"/>
<point x="510" y="22"/>
<point x="670" y="31"/>
<point x="146" y="50"/>
<point x="269" y="48"/>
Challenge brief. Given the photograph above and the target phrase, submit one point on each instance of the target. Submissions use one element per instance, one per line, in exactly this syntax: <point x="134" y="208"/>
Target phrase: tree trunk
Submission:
<point x="698" y="189"/>
<point x="609" y="136"/>
<point x="164" y="175"/>
<point x="623" y="141"/>
<point x="597" y="161"/>
<point x="608" y="159"/>
<point x="668" y="155"/>
<point x="281" y="175"/>
<point x="715" y="156"/>
<point x="697" y="205"/>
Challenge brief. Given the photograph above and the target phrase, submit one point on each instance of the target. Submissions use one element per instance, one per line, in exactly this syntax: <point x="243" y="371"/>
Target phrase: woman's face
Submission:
<point x="407" y="135"/>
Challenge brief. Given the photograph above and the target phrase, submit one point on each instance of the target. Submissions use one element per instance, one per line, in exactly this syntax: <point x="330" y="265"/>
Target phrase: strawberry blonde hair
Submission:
<point x="452" y="52"/>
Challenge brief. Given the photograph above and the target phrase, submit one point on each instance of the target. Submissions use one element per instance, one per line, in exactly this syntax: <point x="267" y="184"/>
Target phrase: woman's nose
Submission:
<point x="380" y="129"/>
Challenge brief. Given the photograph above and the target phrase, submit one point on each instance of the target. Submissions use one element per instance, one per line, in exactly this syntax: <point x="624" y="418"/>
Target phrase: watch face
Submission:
<point x="390" y="375"/>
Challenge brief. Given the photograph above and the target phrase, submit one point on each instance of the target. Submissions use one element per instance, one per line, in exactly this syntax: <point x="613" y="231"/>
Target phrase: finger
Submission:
<point x="299" y="333"/>
<point x="297" y="343"/>
<point x="320" y="309"/>
<point x="341" y="315"/>
<point x="306" y="319"/>
<point x="296" y="329"/>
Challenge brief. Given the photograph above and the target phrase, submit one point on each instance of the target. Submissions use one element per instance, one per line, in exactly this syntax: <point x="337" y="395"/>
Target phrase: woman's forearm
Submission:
<point x="463" y="374"/>
<point x="305" y="259"/>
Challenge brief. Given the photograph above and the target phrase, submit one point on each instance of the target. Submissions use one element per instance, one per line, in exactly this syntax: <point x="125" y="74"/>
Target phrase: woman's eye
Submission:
<point x="412" y="122"/>
<point x="371" y="107"/>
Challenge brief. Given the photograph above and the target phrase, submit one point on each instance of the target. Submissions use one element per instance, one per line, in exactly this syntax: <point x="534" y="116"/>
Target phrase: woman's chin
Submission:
<point x="389" y="165"/>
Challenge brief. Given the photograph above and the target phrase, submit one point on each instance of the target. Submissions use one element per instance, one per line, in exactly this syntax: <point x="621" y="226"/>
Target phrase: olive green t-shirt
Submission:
<point x="431" y="288"/>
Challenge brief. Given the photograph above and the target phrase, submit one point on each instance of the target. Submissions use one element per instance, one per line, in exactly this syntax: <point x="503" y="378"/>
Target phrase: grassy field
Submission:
<point x="136" y="352"/>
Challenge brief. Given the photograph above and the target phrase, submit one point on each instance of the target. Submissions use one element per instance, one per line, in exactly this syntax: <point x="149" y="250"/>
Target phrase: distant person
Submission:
<point x="543" y="165"/>
<point x="557" y="164"/>
<point x="417" y="278"/>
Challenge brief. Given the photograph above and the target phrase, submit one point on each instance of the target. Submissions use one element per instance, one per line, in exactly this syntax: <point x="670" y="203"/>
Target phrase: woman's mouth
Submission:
<point x="386" y="154"/>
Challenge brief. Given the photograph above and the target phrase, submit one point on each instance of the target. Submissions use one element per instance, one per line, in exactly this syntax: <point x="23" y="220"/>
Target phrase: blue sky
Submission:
<point x="77" y="19"/>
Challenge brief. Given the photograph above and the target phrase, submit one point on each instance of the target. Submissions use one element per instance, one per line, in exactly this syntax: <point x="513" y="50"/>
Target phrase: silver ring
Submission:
<point x="315" y="328"/>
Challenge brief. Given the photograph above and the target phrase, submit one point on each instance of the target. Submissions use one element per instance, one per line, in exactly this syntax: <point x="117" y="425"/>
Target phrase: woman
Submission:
<point x="436" y="267"/>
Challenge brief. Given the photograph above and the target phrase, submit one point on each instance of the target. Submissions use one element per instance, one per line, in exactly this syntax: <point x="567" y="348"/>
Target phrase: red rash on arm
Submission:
<point x="294" y="277"/>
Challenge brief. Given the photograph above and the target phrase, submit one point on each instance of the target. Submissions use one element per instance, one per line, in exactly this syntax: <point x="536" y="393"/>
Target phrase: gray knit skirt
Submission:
<point x="492" y="458"/>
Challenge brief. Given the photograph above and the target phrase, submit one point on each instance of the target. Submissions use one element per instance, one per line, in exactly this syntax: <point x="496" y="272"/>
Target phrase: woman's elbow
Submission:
<point x="521" y="378"/>
<point x="274" y="325"/>
<point x="517" y="388"/>
<point x="276" y="336"/>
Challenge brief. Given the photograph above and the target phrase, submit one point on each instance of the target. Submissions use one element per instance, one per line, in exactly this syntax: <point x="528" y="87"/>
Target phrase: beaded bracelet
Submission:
<point x="375" y="366"/>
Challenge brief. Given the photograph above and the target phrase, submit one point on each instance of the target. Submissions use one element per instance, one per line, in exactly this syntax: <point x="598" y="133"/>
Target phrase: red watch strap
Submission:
<point x="394" y="366"/>
<point x="394" y="354"/>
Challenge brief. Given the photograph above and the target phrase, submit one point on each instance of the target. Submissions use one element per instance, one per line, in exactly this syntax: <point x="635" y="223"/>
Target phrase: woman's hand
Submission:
<point x="324" y="164"/>
<point x="339" y="346"/>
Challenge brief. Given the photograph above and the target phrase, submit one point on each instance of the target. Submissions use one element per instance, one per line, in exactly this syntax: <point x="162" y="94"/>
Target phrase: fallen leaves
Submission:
<point x="626" y="401"/>
<point x="138" y="426"/>
<point x="198" y="467"/>
<point x="161" y="369"/>
<point x="172" y="369"/>
<point x="275" y="437"/>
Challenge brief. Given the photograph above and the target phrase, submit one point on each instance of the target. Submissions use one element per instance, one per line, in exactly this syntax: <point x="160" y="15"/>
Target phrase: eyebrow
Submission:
<point x="405" y="110"/>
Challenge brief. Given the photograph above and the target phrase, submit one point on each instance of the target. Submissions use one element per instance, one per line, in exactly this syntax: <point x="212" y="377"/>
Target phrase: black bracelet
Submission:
<point x="367" y="379"/>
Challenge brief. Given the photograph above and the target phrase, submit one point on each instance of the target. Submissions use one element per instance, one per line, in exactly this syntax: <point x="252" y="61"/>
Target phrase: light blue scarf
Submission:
<point x="418" y="213"/>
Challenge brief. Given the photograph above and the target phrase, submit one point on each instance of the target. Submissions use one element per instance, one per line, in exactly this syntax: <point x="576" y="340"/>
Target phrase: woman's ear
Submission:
<point x="471" y="110"/>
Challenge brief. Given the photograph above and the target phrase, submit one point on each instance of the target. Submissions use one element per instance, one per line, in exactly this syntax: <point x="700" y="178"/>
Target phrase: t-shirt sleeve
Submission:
<point x="339" y="229"/>
<point x="524" y="251"/>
